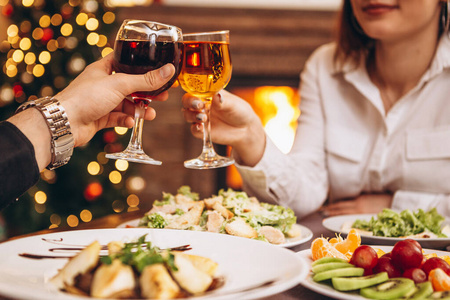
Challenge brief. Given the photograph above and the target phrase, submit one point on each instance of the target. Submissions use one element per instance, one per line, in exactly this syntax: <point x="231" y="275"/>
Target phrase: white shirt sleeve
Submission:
<point x="426" y="201"/>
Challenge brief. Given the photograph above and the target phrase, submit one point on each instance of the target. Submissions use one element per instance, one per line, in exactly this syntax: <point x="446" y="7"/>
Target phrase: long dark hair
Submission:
<point x="353" y="43"/>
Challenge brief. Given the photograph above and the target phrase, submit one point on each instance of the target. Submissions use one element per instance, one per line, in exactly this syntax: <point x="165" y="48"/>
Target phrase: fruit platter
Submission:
<point x="343" y="268"/>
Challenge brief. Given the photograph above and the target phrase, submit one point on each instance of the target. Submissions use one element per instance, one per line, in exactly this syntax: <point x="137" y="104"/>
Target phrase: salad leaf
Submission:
<point x="186" y="191"/>
<point x="140" y="254"/>
<point x="154" y="220"/>
<point x="392" y="224"/>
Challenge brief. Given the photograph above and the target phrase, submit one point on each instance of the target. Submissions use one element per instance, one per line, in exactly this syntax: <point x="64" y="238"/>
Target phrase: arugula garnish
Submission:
<point x="140" y="254"/>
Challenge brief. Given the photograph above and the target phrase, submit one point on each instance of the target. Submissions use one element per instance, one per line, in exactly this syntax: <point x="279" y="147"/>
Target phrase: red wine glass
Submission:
<point x="142" y="46"/>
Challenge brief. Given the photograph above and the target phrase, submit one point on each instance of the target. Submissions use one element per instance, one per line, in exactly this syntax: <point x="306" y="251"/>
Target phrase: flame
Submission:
<point x="277" y="107"/>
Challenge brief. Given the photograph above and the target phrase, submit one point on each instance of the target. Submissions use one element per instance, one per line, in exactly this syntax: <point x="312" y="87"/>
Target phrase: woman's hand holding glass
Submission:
<point x="233" y="123"/>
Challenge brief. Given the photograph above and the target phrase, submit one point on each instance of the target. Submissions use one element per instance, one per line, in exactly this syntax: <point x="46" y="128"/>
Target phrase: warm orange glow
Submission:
<point x="194" y="60"/>
<point x="277" y="107"/>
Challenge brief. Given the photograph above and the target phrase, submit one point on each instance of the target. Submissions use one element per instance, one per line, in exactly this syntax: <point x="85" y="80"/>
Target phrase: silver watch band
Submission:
<point x="58" y="124"/>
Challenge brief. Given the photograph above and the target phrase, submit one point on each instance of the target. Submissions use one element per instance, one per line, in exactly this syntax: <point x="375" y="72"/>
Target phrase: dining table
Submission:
<point x="312" y="222"/>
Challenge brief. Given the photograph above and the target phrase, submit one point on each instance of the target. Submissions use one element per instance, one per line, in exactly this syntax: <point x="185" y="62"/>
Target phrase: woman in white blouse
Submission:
<point x="374" y="129"/>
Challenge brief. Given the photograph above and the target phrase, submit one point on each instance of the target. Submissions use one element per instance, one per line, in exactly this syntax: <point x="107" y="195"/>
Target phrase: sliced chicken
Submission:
<point x="209" y="202"/>
<point x="192" y="217"/>
<point x="294" y="231"/>
<point x="239" y="227"/>
<point x="83" y="262"/>
<point x="202" y="263"/>
<point x="156" y="283"/>
<point x="273" y="235"/>
<point x="171" y="208"/>
<point x="190" y="278"/>
<point x="214" y="222"/>
<point x="223" y="211"/>
<point x="111" y="280"/>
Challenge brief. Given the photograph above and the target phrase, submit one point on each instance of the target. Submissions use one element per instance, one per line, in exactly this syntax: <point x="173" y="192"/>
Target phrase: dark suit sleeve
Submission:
<point x="18" y="167"/>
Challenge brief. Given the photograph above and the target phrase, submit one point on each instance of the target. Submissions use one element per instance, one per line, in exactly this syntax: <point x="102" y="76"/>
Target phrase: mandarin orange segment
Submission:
<point x="439" y="279"/>
<point x="320" y="247"/>
<point x="380" y="252"/>
<point x="349" y="245"/>
<point x="446" y="258"/>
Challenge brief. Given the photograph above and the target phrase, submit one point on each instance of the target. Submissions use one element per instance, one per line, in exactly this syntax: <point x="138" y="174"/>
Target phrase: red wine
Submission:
<point x="139" y="57"/>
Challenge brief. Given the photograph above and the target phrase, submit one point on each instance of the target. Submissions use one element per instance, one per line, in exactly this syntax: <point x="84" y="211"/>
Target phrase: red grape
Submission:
<point x="406" y="255"/>
<point x="385" y="265"/>
<point x="416" y="274"/>
<point x="435" y="262"/>
<point x="364" y="257"/>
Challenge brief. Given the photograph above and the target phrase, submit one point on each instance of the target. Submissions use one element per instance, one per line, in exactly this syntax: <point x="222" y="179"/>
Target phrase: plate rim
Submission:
<point x="282" y="285"/>
<point x="328" y="291"/>
<point x="325" y="223"/>
<point x="289" y="244"/>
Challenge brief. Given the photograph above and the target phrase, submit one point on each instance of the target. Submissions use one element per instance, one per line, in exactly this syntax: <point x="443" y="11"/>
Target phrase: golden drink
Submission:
<point x="206" y="68"/>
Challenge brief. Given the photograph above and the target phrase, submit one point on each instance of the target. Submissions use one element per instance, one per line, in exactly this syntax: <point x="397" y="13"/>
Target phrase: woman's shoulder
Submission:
<point x="322" y="57"/>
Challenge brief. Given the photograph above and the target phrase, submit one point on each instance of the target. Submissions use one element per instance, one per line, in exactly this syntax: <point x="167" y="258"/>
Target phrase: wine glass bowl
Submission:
<point x="206" y="70"/>
<point x="140" y="47"/>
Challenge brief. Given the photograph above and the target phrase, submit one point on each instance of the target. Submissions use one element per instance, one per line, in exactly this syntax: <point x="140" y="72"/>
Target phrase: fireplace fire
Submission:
<point x="277" y="107"/>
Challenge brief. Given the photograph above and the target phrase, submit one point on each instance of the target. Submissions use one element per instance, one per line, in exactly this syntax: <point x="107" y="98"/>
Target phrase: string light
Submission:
<point x="135" y="183"/>
<point x="106" y="51"/>
<point x="56" y="20"/>
<point x="72" y="221"/>
<point x="18" y="56"/>
<point x="39" y="208"/>
<point x="40" y="197"/>
<point x="118" y="206"/>
<point x="133" y="200"/>
<point x="108" y="17"/>
<point x="121" y="165"/>
<point x="92" y="24"/>
<point x="12" y="30"/>
<point x="66" y="29"/>
<point x="81" y="19"/>
<point x="92" y="38"/>
<point x="25" y="44"/>
<point x="93" y="168"/>
<point x="38" y="70"/>
<point x="30" y="58"/>
<point x="55" y="219"/>
<point x="44" y="21"/>
<point x="115" y="177"/>
<point x="27" y="3"/>
<point x="44" y="57"/>
<point x="85" y="215"/>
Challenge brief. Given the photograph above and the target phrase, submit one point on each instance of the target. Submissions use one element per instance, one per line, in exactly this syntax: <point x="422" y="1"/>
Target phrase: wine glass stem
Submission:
<point x="208" y="149"/>
<point x="136" y="136"/>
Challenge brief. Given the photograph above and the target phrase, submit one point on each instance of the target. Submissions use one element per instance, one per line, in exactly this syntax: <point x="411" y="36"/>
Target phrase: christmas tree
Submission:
<point x="49" y="42"/>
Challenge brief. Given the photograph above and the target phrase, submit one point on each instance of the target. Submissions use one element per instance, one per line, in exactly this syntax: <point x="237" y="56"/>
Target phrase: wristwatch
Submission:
<point x="62" y="139"/>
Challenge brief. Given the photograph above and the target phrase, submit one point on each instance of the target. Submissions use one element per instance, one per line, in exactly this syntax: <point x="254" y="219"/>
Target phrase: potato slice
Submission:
<point x="84" y="261"/>
<point x="189" y="277"/>
<point x="156" y="283"/>
<point x="113" y="279"/>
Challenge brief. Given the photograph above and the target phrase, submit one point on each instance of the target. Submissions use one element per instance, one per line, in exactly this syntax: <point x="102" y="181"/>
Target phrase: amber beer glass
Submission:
<point x="206" y="70"/>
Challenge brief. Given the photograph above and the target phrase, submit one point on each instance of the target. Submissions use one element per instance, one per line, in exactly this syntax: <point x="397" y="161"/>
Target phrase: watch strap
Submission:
<point x="62" y="142"/>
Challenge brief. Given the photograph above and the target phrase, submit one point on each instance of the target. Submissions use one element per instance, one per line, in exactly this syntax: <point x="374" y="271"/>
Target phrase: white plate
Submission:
<point x="251" y="269"/>
<point x="335" y="224"/>
<point x="328" y="290"/>
<point x="306" y="233"/>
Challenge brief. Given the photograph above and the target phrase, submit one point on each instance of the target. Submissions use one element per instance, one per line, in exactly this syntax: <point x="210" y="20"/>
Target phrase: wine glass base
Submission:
<point x="137" y="157"/>
<point x="210" y="163"/>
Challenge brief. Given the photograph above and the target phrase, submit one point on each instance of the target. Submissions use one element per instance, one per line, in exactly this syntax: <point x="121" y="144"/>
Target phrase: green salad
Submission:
<point x="389" y="223"/>
<point x="231" y="212"/>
